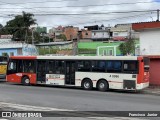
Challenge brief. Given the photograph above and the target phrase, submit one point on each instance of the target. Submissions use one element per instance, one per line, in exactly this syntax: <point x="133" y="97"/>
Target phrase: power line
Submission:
<point x="119" y="18"/>
<point x="93" y="5"/>
<point x="41" y="2"/>
<point x="20" y="6"/>
<point x="93" y="13"/>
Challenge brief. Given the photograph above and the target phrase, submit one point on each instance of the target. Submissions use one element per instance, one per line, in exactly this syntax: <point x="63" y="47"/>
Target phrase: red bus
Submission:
<point x="101" y="72"/>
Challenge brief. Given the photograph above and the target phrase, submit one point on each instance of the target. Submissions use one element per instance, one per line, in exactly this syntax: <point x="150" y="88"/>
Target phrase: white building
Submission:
<point x="149" y="37"/>
<point x="100" y="35"/>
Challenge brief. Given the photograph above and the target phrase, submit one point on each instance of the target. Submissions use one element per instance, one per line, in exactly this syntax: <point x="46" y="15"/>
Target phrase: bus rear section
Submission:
<point x="124" y="74"/>
<point x="143" y="76"/>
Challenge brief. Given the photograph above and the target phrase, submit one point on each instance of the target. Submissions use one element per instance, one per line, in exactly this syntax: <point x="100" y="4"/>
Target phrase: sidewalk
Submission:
<point x="154" y="90"/>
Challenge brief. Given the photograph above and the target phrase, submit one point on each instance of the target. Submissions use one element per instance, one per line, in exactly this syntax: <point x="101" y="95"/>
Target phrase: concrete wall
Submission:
<point x="150" y="42"/>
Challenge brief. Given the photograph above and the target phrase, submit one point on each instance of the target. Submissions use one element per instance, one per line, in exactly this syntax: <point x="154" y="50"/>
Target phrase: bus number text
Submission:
<point x="114" y="76"/>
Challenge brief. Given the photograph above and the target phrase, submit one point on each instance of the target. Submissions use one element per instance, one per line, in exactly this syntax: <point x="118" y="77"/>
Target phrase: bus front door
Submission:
<point x="70" y="73"/>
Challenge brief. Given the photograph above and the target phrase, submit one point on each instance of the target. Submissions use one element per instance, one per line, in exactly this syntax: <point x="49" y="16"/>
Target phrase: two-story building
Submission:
<point x="149" y="46"/>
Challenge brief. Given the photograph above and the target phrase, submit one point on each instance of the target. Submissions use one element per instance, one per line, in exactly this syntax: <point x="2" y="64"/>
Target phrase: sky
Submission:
<point x="80" y="13"/>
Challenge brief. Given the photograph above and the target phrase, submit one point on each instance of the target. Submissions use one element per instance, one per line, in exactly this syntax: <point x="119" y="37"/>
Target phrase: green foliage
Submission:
<point x="128" y="47"/>
<point x="19" y="26"/>
<point x="43" y="51"/>
<point x="62" y="36"/>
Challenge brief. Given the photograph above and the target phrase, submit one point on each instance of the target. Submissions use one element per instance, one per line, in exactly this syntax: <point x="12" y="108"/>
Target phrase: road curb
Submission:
<point x="157" y="93"/>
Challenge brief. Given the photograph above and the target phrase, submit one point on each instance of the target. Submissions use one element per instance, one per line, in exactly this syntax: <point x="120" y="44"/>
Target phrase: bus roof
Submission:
<point x="77" y="57"/>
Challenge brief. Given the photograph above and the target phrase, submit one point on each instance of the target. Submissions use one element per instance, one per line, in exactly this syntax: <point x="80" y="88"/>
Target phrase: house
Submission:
<point x="55" y="32"/>
<point x="120" y="31"/>
<point x="149" y="46"/>
<point x="16" y="48"/>
<point x="98" y="33"/>
<point x="71" y="32"/>
<point x="84" y="34"/>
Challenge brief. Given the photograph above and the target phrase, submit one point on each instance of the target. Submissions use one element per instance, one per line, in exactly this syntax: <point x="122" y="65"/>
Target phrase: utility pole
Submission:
<point x="157" y="15"/>
<point x="32" y="36"/>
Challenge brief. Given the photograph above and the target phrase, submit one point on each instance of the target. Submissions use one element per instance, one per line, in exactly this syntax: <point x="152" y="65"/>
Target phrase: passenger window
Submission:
<point x="130" y="66"/>
<point x="59" y="67"/>
<point x="84" y="66"/>
<point x="114" y="66"/>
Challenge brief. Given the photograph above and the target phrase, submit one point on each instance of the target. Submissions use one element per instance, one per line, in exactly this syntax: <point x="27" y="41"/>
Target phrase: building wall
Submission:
<point x="8" y="51"/>
<point x="154" y="72"/>
<point x="71" y="32"/>
<point x="86" y="34"/>
<point x="100" y="34"/>
<point x="120" y="34"/>
<point x="149" y="42"/>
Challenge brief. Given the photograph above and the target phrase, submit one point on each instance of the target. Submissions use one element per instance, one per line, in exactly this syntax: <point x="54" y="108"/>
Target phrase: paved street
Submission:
<point x="14" y="96"/>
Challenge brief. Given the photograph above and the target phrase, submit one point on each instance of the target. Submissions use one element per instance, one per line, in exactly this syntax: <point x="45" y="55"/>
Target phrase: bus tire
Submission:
<point x="25" y="80"/>
<point x="87" y="84"/>
<point x="102" y="85"/>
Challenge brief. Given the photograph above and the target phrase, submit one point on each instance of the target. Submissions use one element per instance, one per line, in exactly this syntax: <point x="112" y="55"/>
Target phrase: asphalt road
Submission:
<point x="66" y="99"/>
<point x="77" y="99"/>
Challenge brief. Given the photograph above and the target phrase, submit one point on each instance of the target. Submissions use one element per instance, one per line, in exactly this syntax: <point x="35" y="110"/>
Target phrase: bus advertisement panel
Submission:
<point x="101" y="72"/>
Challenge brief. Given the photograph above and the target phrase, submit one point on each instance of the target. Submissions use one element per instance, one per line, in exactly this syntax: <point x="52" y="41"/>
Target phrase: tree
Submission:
<point x="2" y="30"/>
<point x="62" y="36"/>
<point x="128" y="47"/>
<point x="19" y="26"/>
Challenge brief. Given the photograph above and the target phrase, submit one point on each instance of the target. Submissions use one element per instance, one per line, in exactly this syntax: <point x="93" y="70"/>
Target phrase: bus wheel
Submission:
<point x="102" y="85"/>
<point x="87" y="84"/>
<point x="25" y="81"/>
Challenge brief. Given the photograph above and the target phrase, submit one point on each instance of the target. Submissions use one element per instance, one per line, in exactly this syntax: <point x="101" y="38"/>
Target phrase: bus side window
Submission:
<point x="84" y="65"/>
<point x="51" y="67"/>
<point x="59" y="67"/>
<point x="12" y="66"/>
<point x="29" y="66"/>
<point x="130" y="66"/>
<point x="102" y="66"/>
<point x="114" y="66"/>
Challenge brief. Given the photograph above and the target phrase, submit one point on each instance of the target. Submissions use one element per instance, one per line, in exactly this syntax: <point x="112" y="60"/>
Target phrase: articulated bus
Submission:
<point x="3" y="66"/>
<point x="101" y="72"/>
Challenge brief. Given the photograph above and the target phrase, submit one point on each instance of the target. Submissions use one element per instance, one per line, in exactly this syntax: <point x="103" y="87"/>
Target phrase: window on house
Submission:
<point x="110" y="52"/>
<point x="86" y="33"/>
<point x="4" y="54"/>
<point x="104" y="52"/>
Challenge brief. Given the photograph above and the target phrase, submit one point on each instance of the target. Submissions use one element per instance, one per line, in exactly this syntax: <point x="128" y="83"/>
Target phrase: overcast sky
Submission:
<point x="52" y="13"/>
